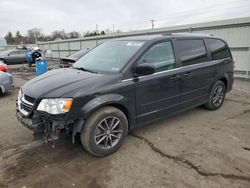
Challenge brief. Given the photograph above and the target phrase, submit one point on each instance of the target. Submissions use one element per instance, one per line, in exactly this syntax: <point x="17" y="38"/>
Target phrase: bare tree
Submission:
<point x="74" y="34"/>
<point x="19" y="38"/>
<point x="58" y="35"/>
<point x="108" y="31"/>
<point x="9" y="38"/>
<point x="34" y="34"/>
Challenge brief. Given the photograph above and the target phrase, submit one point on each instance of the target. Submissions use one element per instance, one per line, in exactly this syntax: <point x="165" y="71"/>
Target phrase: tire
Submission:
<point x="104" y="131"/>
<point x="1" y="93"/>
<point x="2" y="61"/>
<point x="29" y="64"/>
<point x="216" y="96"/>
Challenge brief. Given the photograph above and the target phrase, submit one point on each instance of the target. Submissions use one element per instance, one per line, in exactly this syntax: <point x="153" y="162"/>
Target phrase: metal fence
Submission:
<point x="235" y="31"/>
<point x="10" y="47"/>
<point x="7" y="47"/>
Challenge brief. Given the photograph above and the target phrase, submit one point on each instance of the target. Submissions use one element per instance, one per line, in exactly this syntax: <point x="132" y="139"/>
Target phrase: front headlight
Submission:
<point x="55" y="106"/>
<point x="19" y="94"/>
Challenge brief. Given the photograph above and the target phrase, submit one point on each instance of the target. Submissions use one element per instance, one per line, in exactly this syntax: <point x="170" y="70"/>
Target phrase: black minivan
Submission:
<point x="126" y="83"/>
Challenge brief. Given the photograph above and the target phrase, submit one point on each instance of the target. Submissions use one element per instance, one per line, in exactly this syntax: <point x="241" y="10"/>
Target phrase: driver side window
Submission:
<point x="161" y="55"/>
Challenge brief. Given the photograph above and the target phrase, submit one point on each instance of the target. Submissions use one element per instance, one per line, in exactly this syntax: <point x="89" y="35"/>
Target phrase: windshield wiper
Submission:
<point x="83" y="69"/>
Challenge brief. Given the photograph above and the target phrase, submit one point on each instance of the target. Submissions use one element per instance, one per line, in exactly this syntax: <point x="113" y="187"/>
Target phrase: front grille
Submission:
<point x="29" y="99"/>
<point x="26" y="107"/>
<point x="25" y="104"/>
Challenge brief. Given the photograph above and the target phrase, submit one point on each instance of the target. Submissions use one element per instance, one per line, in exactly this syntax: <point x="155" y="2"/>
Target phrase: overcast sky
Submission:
<point x="83" y="15"/>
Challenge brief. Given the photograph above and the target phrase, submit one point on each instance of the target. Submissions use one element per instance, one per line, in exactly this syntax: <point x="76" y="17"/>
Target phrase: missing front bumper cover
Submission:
<point x="48" y="129"/>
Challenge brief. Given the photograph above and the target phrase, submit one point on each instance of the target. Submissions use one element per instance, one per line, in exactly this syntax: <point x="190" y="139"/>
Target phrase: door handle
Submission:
<point x="175" y="77"/>
<point x="187" y="74"/>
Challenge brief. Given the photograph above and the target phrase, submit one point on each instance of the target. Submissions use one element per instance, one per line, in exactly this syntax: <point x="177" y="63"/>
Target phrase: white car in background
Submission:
<point x="3" y="44"/>
<point x="6" y="82"/>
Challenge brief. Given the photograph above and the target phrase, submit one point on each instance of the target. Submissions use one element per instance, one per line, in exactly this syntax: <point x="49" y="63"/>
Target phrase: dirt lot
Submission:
<point x="198" y="148"/>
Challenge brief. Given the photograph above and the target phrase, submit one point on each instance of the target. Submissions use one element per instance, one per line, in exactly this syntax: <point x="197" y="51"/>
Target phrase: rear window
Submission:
<point x="218" y="48"/>
<point x="192" y="51"/>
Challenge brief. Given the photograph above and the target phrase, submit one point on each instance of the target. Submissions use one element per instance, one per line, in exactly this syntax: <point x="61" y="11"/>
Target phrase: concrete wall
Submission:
<point x="235" y="31"/>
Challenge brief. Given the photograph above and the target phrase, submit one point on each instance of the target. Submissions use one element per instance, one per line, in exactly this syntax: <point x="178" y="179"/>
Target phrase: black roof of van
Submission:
<point x="167" y="35"/>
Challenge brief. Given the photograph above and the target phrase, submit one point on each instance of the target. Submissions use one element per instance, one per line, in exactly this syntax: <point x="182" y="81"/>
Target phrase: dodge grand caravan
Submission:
<point x="124" y="84"/>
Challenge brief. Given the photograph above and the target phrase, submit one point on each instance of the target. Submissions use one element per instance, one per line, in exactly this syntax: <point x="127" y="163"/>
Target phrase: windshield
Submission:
<point x="78" y="54"/>
<point x="5" y="52"/>
<point x="109" y="57"/>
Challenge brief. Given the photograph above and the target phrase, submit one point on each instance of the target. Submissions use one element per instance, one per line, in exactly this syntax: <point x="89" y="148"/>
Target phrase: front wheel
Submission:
<point x="104" y="131"/>
<point x="216" y="96"/>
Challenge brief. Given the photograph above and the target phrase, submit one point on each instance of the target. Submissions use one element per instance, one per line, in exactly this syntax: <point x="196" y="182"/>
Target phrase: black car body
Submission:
<point x="71" y="59"/>
<point x="164" y="75"/>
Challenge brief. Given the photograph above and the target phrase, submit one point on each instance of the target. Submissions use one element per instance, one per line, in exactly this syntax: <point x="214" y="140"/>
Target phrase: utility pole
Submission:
<point x="152" y="23"/>
<point x="96" y="34"/>
<point x="96" y="27"/>
<point x="113" y="33"/>
<point x="248" y="67"/>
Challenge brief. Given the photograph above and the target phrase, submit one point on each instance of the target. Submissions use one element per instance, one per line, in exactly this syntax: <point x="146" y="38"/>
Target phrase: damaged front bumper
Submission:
<point x="27" y="122"/>
<point x="43" y="124"/>
<point x="47" y="127"/>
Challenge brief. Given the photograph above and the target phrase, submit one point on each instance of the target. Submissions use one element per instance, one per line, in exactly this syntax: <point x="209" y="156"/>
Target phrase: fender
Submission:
<point x="220" y="77"/>
<point x="226" y="78"/>
<point x="113" y="100"/>
<point x="103" y="100"/>
<point x="100" y="101"/>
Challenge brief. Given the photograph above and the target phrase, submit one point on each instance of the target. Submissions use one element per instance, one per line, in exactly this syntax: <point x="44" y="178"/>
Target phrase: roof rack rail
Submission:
<point x="188" y="34"/>
<point x="166" y="34"/>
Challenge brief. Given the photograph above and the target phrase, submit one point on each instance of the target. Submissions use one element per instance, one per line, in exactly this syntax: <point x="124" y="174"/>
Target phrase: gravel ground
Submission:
<point x="198" y="148"/>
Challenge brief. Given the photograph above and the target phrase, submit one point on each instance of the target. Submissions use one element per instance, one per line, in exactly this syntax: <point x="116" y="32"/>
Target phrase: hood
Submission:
<point x="60" y="82"/>
<point x="72" y="59"/>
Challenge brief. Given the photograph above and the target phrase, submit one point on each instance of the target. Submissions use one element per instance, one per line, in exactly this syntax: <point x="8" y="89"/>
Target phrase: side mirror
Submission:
<point x="144" y="69"/>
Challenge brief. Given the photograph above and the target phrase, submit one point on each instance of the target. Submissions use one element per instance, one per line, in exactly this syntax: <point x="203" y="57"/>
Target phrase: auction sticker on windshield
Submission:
<point x="135" y="43"/>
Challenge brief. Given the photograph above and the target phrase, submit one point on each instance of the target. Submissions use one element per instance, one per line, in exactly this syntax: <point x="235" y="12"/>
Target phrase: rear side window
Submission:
<point x="192" y="51"/>
<point x="218" y="48"/>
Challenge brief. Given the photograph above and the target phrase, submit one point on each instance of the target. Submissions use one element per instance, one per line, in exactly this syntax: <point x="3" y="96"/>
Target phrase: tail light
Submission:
<point x="233" y="62"/>
<point x="3" y="68"/>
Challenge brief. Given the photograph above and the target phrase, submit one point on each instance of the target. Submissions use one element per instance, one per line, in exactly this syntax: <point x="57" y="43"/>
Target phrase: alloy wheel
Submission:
<point x="108" y="132"/>
<point x="218" y="95"/>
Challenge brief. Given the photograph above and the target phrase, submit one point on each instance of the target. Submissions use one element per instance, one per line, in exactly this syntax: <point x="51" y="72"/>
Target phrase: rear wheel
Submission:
<point x="104" y="131"/>
<point x="216" y="96"/>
